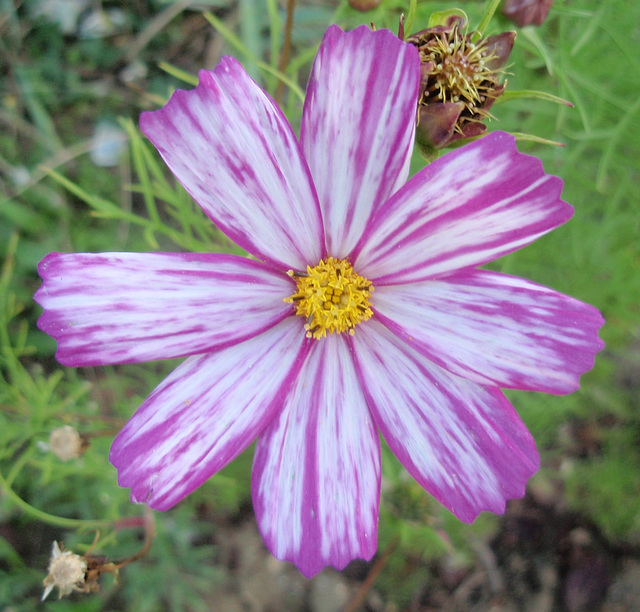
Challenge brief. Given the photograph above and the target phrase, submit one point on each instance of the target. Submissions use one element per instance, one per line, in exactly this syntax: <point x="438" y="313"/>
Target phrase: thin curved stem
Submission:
<point x="286" y="50"/>
<point x="487" y="17"/>
<point x="45" y="517"/>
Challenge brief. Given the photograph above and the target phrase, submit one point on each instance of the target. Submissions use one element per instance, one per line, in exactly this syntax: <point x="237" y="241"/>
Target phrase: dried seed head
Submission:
<point x="460" y="80"/>
<point x="66" y="443"/>
<point x="66" y="571"/>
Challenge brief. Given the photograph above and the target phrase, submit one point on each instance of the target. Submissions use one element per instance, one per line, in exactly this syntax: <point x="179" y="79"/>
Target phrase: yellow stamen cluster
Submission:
<point x="332" y="297"/>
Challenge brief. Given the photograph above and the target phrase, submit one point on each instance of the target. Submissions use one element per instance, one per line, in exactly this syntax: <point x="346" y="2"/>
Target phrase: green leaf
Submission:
<point x="532" y="94"/>
<point x="443" y="18"/>
<point x="178" y="73"/>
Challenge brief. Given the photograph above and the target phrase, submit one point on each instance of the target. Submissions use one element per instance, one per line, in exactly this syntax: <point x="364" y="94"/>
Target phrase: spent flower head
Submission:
<point x="67" y="572"/>
<point x="70" y="572"/>
<point x="364" y="308"/>
<point x="461" y="77"/>
<point x="66" y="443"/>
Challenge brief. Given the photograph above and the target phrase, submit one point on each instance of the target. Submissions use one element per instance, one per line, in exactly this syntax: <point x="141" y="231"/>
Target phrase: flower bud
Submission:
<point x="460" y="80"/>
<point x="364" y="5"/>
<point x="527" y="12"/>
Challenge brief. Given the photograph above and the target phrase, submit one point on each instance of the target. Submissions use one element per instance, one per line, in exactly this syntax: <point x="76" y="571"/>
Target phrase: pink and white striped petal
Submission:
<point x="358" y="125"/>
<point x="231" y="147"/>
<point x="495" y="329"/>
<point x="316" y="476"/>
<point x="129" y="307"/>
<point x="205" y="413"/>
<point x="469" y="207"/>
<point x="463" y="442"/>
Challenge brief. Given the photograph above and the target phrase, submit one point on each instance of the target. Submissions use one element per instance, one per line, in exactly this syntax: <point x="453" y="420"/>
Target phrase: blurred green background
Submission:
<point x="75" y="175"/>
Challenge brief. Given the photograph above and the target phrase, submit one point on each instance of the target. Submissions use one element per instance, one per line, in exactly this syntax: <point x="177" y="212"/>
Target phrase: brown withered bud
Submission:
<point x="460" y="80"/>
<point x="364" y="5"/>
<point x="527" y="12"/>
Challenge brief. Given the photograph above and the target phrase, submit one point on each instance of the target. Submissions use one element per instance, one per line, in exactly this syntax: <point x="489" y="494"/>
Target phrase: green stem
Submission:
<point x="18" y="464"/>
<point x="487" y="17"/>
<point x="411" y="15"/>
<point x="249" y="31"/>
<point x="45" y="517"/>
<point x="13" y="364"/>
<point x="286" y="50"/>
<point x="233" y="40"/>
<point x="275" y="29"/>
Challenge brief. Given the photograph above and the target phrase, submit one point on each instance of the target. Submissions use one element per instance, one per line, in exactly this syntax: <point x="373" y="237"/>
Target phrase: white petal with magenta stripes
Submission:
<point x="469" y="207"/>
<point x="234" y="151"/>
<point x="129" y="307"/>
<point x="205" y="413"/>
<point x="495" y="329"/>
<point x="358" y="126"/>
<point x="316" y="478"/>
<point x="463" y="442"/>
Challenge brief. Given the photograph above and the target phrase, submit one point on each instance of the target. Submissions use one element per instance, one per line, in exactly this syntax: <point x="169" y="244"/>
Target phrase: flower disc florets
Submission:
<point x="332" y="297"/>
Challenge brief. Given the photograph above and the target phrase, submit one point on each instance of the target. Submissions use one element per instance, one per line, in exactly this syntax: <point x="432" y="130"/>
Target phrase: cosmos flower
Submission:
<point x="363" y="309"/>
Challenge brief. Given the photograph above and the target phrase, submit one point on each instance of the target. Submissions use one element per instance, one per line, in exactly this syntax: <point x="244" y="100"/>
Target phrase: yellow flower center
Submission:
<point x="332" y="297"/>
